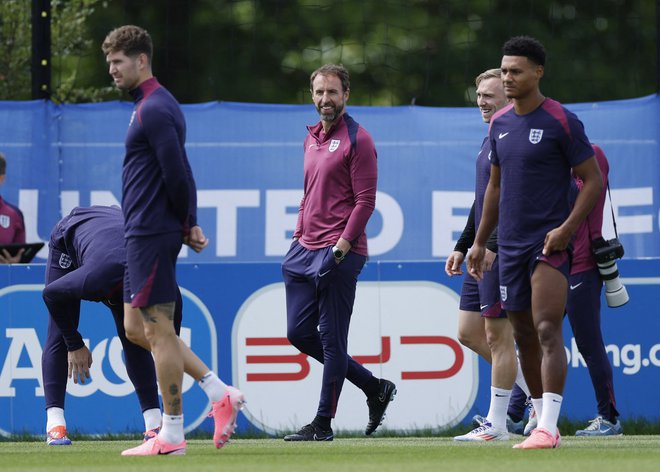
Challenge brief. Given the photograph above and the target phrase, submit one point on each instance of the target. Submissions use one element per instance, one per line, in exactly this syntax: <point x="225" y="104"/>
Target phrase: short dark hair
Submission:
<point x="3" y="164"/>
<point x="525" y="46"/>
<point x="129" y="39"/>
<point x="332" y="69"/>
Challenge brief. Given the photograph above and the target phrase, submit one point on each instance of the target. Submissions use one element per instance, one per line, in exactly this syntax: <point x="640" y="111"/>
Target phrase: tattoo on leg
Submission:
<point x="175" y="402"/>
<point x="148" y="318"/>
<point x="163" y="309"/>
<point x="167" y="309"/>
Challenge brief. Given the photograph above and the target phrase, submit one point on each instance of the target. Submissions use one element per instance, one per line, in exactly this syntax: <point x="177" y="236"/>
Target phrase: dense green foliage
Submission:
<point x="399" y="52"/>
<point x="70" y="44"/>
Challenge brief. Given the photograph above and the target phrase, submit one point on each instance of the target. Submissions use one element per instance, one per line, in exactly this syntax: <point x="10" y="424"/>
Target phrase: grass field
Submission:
<point x="625" y="453"/>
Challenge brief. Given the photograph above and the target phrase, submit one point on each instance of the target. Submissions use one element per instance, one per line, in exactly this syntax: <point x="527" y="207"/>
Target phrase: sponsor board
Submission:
<point x="403" y="328"/>
<point x="249" y="185"/>
<point x="109" y="391"/>
<point x="403" y="331"/>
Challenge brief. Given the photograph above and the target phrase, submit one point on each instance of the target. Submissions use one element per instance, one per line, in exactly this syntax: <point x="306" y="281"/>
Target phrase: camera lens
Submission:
<point x="608" y="270"/>
<point x="615" y="292"/>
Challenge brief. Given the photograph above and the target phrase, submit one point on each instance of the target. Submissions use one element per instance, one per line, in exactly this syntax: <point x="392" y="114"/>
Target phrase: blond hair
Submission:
<point x="489" y="74"/>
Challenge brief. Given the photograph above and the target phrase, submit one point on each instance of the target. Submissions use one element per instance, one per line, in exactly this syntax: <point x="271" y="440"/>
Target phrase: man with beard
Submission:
<point x="329" y="250"/>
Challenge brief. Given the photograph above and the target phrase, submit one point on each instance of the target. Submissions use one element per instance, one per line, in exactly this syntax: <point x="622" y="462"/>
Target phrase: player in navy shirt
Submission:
<point x="160" y="210"/>
<point x="86" y="261"/>
<point x="535" y="142"/>
<point x="483" y="326"/>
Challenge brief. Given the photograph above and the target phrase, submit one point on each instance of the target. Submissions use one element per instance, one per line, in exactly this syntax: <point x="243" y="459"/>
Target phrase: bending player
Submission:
<point x="86" y="262"/>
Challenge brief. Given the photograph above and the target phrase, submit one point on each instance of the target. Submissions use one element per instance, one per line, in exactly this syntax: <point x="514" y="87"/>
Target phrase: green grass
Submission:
<point x="620" y="454"/>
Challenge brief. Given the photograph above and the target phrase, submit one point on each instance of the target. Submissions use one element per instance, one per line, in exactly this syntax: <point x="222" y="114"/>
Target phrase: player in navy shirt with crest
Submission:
<point x="535" y="142"/>
<point x="159" y="201"/>
<point x="86" y="260"/>
<point x="483" y="326"/>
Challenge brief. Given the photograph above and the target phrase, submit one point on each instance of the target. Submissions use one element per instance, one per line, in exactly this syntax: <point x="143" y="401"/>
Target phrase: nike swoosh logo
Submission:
<point x="498" y="395"/>
<point x="325" y="273"/>
<point x="483" y="306"/>
<point x="573" y="287"/>
<point x="503" y="134"/>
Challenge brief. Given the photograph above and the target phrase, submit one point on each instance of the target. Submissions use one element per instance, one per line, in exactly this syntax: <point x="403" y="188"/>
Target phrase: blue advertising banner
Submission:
<point x="247" y="160"/>
<point x="403" y="328"/>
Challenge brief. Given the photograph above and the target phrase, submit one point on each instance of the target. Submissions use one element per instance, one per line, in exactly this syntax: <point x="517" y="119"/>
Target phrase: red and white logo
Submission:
<point x="402" y="331"/>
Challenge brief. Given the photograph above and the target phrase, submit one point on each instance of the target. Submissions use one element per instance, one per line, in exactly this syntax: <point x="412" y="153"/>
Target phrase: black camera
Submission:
<point x="606" y="253"/>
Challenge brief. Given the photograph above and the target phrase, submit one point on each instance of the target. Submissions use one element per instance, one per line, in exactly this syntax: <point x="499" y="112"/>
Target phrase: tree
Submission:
<point x="71" y="43"/>
<point x="399" y="52"/>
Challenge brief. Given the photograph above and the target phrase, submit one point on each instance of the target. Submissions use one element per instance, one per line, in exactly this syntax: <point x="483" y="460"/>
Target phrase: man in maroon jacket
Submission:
<point x="329" y="250"/>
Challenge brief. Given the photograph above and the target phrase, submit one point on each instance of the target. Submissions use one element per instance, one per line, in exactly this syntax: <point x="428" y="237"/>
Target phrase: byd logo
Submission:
<point x="302" y="360"/>
<point x="402" y="331"/>
<point x="23" y="328"/>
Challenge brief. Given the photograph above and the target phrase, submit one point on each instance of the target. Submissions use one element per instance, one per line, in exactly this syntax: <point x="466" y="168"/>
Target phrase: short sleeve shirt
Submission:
<point x="535" y="153"/>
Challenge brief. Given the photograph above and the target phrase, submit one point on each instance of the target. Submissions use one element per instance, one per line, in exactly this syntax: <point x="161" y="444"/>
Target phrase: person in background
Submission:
<point x="583" y="308"/>
<point x="12" y="224"/>
<point x="483" y="326"/>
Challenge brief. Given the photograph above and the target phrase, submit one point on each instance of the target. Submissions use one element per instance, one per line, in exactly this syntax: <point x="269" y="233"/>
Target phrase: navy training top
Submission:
<point x="158" y="189"/>
<point x="88" y="235"/>
<point x="535" y="153"/>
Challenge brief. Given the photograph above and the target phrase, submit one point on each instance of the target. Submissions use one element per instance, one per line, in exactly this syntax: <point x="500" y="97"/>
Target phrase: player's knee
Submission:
<point x="464" y="339"/>
<point x="48" y="293"/>
<point x="548" y="332"/>
<point x="469" y="340"/>
<point x="493" y="340"/>
<point x="134" y="334"/>
<point x="298" y="339"/>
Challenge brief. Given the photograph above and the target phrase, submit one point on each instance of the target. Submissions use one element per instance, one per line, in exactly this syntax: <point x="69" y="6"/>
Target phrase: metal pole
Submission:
<point x="41" y="57"/>
<point x="657" y="46"/>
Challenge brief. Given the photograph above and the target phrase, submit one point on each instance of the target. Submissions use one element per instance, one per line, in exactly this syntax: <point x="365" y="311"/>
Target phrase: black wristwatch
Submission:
<point x="338" y="253"/>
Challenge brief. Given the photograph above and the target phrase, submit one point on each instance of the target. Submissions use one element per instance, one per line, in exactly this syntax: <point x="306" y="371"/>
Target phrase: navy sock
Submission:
<point x="322" y="422"/>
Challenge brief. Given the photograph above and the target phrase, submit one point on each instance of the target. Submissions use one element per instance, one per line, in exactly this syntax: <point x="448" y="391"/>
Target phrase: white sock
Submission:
<point x="499" y="402"/>
<point x="520" y="380"/>
<point x="152" y="418"/>
<point x="54" y="417"/>
<point x="172" y="430"/>
<point x="537" y="403"/>
<point x="212" y="386"/>
<point x="551" y="408"/>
